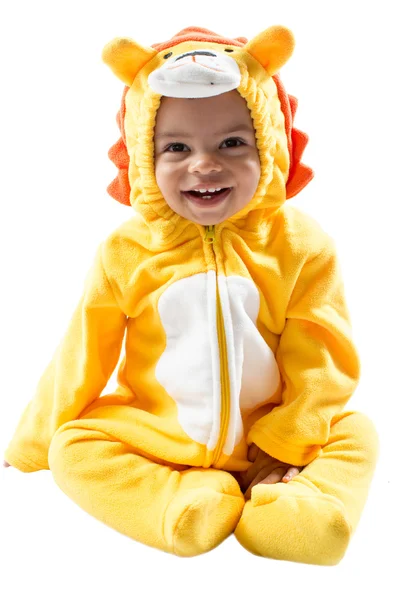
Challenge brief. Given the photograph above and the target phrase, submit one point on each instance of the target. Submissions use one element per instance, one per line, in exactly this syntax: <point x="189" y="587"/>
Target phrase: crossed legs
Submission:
<point x="190" y="510"/>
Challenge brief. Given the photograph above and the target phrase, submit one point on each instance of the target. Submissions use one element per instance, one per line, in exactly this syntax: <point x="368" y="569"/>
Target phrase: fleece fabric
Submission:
<point x="235" y="334"/>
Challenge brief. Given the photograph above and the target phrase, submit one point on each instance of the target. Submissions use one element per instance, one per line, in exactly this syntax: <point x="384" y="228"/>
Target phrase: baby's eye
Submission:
<point x="227" y="140"/>
<point x="173" y="145"/>
<point x="234" y="139"/>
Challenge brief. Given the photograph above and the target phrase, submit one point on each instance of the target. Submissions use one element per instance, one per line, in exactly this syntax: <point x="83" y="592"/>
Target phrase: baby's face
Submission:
<point x="210" y="144"/>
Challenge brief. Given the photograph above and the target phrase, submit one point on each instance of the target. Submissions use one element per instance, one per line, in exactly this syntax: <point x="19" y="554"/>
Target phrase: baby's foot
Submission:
<point x="204" y="511"/>
<point x="291" y="521"/>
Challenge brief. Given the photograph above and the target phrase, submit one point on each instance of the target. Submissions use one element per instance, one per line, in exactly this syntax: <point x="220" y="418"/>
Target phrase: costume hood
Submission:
<point x="209" y="64"/>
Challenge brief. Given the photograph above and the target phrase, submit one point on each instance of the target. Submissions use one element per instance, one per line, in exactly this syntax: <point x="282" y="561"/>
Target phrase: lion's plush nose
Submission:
<point x="194" y="53"/>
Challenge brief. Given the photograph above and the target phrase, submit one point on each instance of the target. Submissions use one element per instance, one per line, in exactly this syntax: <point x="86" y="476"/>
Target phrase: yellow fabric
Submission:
<point x="312" y="518"/>
<point x="154" y="459"/>
<point x="185" y="512"/>
<point x="303" y="319"/>
<point x="78" y="372"/>
<point x="189" y="510"/>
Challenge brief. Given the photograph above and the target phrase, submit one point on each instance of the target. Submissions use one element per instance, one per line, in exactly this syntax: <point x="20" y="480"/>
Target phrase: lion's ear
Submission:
<point x="126" y="57"/>
<point x="272" y="47"/>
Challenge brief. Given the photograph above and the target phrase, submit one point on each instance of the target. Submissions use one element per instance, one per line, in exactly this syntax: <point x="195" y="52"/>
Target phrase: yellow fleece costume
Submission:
<point x="235" y="334"/>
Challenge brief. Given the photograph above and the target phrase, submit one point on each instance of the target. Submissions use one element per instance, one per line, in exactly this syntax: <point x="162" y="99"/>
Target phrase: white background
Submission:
<point x="58" y="108"/>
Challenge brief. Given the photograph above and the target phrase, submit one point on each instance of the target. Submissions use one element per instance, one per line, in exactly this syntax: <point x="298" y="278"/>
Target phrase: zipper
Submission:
<point x="209" y="238"/>
<point x="225" y="392"/>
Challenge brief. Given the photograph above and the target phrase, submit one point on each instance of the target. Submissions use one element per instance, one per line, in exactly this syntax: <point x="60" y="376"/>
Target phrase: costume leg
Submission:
<point x="312" y="518"/>
<point x="185" y="512"/>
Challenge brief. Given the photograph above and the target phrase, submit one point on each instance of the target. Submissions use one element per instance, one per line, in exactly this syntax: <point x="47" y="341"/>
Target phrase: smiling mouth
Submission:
<point x="207" y="200"/>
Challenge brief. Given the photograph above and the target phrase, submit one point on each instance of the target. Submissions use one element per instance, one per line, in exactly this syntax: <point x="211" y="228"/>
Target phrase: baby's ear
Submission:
<point x="272" y="47"/>
<point x="126" y="57"/>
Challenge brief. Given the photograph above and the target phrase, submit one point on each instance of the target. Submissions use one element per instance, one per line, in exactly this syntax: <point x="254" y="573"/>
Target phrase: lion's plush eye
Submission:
<point x="167" y="55"/>
<point x="228" y="50"/>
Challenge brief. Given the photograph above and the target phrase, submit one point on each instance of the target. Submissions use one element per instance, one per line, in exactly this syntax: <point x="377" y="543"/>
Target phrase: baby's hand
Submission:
<point x="6" y="464"/>
<point x="265" y="469"/>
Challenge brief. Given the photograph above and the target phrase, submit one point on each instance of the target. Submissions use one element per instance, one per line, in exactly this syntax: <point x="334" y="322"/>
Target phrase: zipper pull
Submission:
<point x="210" y="234"/>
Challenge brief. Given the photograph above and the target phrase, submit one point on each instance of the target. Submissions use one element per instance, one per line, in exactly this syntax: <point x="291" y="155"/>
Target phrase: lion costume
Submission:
<point x="235" y="334"/>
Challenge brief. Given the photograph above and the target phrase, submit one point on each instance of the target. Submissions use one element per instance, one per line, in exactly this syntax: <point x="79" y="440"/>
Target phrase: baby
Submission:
<point x="219" y="125"/>
<point x="228" y="416"/>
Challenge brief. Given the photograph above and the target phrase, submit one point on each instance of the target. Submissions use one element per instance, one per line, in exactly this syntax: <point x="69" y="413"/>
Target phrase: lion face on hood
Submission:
<point x="198" y="63"/>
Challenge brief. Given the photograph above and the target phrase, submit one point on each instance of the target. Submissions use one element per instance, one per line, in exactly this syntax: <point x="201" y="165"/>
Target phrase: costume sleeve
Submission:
<point x="318" y="363"/>
<point x="80" y="368"/>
